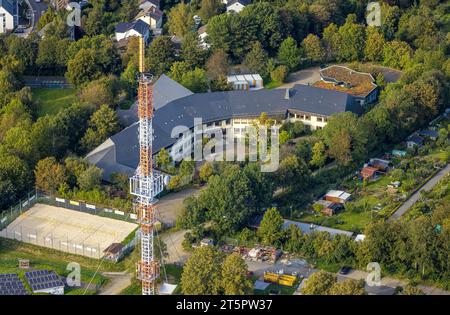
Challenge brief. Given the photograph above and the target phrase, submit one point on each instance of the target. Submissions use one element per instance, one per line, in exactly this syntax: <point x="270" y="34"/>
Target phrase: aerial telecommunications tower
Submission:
<point x="146" y="184"/>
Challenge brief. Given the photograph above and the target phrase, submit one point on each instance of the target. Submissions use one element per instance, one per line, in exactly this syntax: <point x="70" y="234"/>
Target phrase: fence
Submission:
<point x="9" y="215"/>
<point x="86" y="207"/>
<point x="33" y="236"/>
<point x="47" y="239"/>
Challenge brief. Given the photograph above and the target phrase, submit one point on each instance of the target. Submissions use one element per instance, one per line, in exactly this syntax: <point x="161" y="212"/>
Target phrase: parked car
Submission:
<point x="345" y="270"/>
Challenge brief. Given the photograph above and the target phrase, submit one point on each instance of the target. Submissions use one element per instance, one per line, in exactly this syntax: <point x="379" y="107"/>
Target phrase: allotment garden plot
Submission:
<point x="68" y="230"/>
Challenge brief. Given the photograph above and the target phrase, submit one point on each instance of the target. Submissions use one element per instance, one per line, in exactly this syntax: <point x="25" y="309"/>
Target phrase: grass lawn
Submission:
<point x="346" y="220"/>
<point x="42" y="258"/>
<point x="51" y="101"/>
<point x="273" y="85"/>
<point x="356" y="217"/>
<point x="173" y="277"/>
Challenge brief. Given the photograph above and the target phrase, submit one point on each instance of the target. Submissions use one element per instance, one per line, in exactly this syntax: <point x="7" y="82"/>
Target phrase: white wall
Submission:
<point x="6" y="21"/>
<point x="54" y="291"/>
<point x="235" y="7"/>
<point x="151" y="22"/>
<point x="238" y="125"/>
<point x="203" y="37"/>
<point x="120" y="36"/>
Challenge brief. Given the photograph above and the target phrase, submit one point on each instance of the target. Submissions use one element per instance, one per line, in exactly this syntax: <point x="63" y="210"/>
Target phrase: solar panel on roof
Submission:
<point x="10" y="284"/>
<point x="43" y="279"/>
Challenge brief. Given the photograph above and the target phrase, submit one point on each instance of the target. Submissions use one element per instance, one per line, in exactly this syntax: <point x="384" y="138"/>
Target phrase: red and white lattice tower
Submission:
<point x="146" y="184"/>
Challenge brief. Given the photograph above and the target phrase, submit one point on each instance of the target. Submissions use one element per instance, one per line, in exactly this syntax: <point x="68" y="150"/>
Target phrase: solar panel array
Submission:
<point x="10" y="284"/>
<point x="43" y="279"/>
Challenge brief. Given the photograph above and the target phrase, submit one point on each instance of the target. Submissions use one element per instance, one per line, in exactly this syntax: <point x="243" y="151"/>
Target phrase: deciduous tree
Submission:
<point x="160" y="56"/>
<point x="202" y="272"/>
<point x="49" y="175"/>
<point x="313" y="49"/>
<point x="373" y="51"/>
<point x="319" y="283"/>
<point x="289" y="54"/>
<point x="180" y="19"/>
<point x="234" y="276"/>
<point x="270" y="229"/>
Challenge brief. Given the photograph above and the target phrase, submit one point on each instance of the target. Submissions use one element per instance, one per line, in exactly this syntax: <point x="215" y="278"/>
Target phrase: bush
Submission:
<point x="279" y="74"/>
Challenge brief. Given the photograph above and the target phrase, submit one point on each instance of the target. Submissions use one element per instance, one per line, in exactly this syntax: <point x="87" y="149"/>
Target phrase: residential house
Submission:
<point x="358" y="84"/>
<point x="414" y="141"/>
<point x="237" y="6"/>
<point x="143" y="4"/>
<point x="59" y="4"/>
<point x="136" y="28"/>
<point x="246" y="82"/>
<point x="152" y="16"/>
<point x="203" y="37"/>
<point x="429" y="134"/>
<point x="9" y="18"/>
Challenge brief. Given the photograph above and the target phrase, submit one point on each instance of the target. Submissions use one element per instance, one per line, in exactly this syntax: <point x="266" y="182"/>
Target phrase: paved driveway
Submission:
<point x="38" y="9"/>
<point x="169" y="207"/>
<point x="413" y="199"/>
<point x="305" y="77"/>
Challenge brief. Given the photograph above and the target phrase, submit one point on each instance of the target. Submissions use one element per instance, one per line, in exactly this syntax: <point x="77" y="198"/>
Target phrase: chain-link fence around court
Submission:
<point x="86" y="207"/>
<point x="9" y="215"/>
<point x="44" y="237"/>
<point x="33" y="236"/>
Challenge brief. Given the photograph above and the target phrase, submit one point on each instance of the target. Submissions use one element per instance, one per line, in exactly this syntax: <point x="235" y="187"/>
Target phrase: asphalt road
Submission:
<point x="38" y="9"/>
<point x="413" y="199"/>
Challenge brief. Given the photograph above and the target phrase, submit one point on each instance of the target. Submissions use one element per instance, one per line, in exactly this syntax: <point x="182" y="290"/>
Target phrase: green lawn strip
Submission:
<point x="173" y="277"/>
<point x="50" y="101"/>
<point x="129" y="237"/>
<point x="133" y="289"/>
<point x="273" y="84"/>
<point x="43" y="258"/>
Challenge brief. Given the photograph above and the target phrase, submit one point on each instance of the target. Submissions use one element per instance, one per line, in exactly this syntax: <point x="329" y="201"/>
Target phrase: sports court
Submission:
<point x="68" y="230"/>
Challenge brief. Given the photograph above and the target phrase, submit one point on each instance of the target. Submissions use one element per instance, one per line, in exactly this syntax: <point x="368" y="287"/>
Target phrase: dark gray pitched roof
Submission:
<point x="123" y="27"/>
<point x="8" y="5"/>
<point x="429" y="133"/>
<point x="416" y="139"/>
<point x="165" y="90"/>
<point x="139" y="26"/>
<point x="218" y="106"/>
<point x="156" y="14"/>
